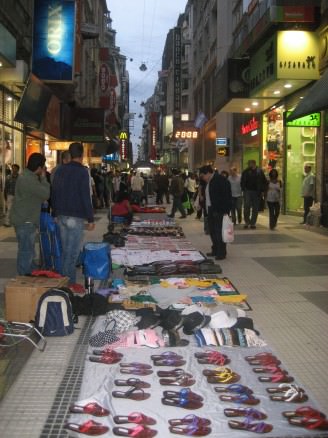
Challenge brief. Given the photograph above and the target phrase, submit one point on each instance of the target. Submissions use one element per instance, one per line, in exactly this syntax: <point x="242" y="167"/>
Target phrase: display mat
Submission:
<point x="98" y="384"/>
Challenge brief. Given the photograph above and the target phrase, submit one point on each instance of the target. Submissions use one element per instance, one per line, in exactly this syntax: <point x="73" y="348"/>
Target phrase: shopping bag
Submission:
<point x="96" y="260"/>
<point x="227" y="229"/>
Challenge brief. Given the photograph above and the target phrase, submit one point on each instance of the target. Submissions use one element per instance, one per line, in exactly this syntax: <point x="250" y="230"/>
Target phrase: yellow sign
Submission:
<point x="123" y="135"/>
<point x="186" y="134"/>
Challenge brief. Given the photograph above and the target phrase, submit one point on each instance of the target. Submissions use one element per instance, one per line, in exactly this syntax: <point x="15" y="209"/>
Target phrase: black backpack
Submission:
<point x="54" y="315"/>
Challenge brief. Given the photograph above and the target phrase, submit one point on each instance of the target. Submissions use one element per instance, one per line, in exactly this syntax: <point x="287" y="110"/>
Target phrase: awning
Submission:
<point x="315" y="100"/>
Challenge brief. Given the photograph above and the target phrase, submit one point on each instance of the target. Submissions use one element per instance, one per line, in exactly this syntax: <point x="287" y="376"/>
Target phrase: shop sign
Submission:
<point x="177" y="72"/>
<point x="87" y="124"/>
<point x="222" y="141"/>
<point x="249" y="126"/>
<point x="222" y="151"/>
<point x="53" y="40"/>
<point x="313" y="120"/>
<point x="123" y="145"/>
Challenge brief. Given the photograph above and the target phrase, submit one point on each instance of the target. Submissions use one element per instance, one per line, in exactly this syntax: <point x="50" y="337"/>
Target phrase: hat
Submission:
<point x="224" y="318"/>
<point x="194" y="321"/>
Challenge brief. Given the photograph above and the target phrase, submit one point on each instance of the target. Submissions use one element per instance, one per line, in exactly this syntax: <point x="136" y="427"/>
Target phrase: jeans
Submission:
<point x="71" y="235"/>
<point x="251" y="206"/>
<point x="25" y="235"/>
<point x="274" y="211"/>
<point x="237" y="204"/>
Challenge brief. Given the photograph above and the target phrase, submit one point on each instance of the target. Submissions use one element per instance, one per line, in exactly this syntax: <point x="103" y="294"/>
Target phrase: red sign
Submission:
<point x="250" y="126"/>
<point x="104" y="78"/>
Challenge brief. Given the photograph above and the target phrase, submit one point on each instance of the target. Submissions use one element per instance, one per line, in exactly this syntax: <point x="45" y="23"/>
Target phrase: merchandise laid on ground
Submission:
<point x="174" y="350"/>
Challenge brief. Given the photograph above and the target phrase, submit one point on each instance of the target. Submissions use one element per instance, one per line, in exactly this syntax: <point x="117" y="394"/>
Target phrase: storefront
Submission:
<point x="248" y="138"/>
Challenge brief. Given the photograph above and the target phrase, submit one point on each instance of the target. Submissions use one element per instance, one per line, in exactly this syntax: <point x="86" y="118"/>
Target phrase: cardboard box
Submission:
<point x="22" y="295"/>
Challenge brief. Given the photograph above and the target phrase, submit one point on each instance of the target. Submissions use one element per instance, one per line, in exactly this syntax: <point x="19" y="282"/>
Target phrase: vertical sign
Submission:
<point x="153" y="134"/>
<point x="123" y="145"/>
<point x="177" y="73"/>
<point x="53" y="40"/>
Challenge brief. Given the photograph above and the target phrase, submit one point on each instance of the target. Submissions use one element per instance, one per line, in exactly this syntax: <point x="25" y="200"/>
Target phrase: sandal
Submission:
<point x="136" y="432"/>
<point x="136" y="371"/>
<point x="265" y="361"/>
<point x="166" y="355"/>
<point x="134" y="393"/>
<point x="236" y="388"/>
<point x="292" y="395"/>
<point x="252" y="427"/>
<point x="260" y="356"/>
<point x="183" y="393"/>
<point x="190" y="419"/>
<point x="245" y="399"/>
<point x="212" y="358"/>
<point x="182" y="403"/>
<point x="108" y="360"/>
<point x="283" y="388"/>
<point x="135" y="417"/>
<point x="310" y="422"/>
<point x="107" y="352"/>
<point x="169" y="362"/>
<point x="272" y="368"/>
<point x="183" y="380"/>
<point x="173" y="373"/>
<point x="135" y="365"/>
<point x="132" y="382"/>
<point x="221" y="376"/>
<point x="304" y="411"/>
<point x="252" y="414"/>
<point x="91" y="408"/>
<point x="90" y="427"/>
<point x="277" y="377"/>
<point x="190" y="430"/>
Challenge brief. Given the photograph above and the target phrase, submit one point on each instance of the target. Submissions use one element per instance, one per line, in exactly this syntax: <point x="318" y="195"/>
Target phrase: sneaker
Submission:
<point x="253" y="227"/>
<point x="183" y="217"/>
<point x="209" y="254"/>
<point x="246" y="227"/>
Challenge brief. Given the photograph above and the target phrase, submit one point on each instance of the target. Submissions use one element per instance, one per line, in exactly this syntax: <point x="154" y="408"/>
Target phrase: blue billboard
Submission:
<point x="53" y="40"/>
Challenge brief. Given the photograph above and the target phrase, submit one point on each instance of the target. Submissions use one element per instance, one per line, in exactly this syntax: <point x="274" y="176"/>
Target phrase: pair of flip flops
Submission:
<point x="287" y="393"/>
<point x="184" y="398"/>
<point x="168" y="358"/>
<point x="136" y="368"/>
<point x="190" y="425"/>
<point x="212" y="357"/>
<point x="241" y="394"/>
<point x="134" y="393"/>
<point x="107" y="356"/>
<point x="221" y="375"/>
<point x="307" y="417"/>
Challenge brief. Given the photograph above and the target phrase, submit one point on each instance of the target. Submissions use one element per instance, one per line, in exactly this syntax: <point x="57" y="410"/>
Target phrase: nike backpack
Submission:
<point x="54" y="314"/>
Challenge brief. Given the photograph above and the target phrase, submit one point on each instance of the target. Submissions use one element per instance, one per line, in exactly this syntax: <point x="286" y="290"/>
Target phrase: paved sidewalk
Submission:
<point x="283" y="272"/>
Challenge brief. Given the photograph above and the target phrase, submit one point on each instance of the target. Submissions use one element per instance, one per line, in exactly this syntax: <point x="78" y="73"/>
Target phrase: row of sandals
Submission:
<point x="193" y="425"/>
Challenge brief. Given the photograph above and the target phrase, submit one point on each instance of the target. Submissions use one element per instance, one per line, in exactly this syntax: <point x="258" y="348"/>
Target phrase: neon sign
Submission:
<point x="55" y="29"/>
<point x="186" y="134"/>
<point x="250" y="126"/>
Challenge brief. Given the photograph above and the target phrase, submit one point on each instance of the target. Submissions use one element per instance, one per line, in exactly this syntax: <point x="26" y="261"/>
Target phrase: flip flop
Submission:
<point x="292" y="395"/>
<point x="190" y="419"/>
<point x="252" y="427"/>
<point x="190" y="430"/>
<point x="260" y="356"/>
<point x="89" y="427"/>
<point x="91" y="408"/>
<point x="277" y="377"/>
<point x="135" y="365"/>
<point x="136" y="432"/>
<point x="134" y="417"/>
<point x="282" y="388"/>
<point x="173" y="373"/>
<point x="235" y="388"/>
<point x="132" y="382"/>
<point x="212" y="358"/>
<point x="304" y="411"/>
<point x="169" y="362"/>
<point x="178" y="381"/>
<point x="166" y="355"/>
<point x="106" y="352"/>
<point x="136" y="371"/>
<point x="182" y="403"/>
<point x="268" y="369"/>
<point x="251" y="413"/>
<point x="108" y="360"/>
<point x="245" y="399"/>
<point x="310" y="423"/>
<point x="183" y="393"/>
<point x="132" y="394"/>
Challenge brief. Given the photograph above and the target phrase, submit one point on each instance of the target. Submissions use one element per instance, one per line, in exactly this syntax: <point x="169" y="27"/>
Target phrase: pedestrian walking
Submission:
<point x="177" y="189"/>
<point x="237" y="195"/>
<point x="273" y="197"/>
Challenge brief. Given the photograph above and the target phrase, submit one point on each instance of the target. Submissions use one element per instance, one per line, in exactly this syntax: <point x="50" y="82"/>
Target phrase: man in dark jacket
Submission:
<point x="218" y="203"/>
<point x="253" y="183"/>
<point x="72" y="206"/>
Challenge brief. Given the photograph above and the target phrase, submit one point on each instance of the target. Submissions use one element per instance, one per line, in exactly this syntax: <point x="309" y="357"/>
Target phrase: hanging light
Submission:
<point x="140" y="116"/>
<point x="143" y="67"/>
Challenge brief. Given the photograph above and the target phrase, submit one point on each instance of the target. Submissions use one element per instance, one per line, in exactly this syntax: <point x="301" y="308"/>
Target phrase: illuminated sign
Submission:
<point x="222" y="141"/>
<point x="250" y="126"/>
<point x="123" y="145"/>
<point x="313" y="120"/>
<point x="182" y="134"/>
<point x="53" y="40"/>
<point x="222" y="151"/>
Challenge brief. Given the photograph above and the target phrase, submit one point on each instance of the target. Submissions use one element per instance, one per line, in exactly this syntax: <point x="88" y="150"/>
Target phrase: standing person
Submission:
<point x="157" y="188"/>
<point x="165" y="184"/>
<point x="254" y="184"/>
<point x="191" y="186"/>
<point x="71" y="202"/>
<point x="273" y="198"/>
<point x="177" y="189"/>
<point x="218" y="203"/>
<point x="137" y="184"/>
<point x="237" y="195"/>
<point x="65" y="158"/>
<point x="116" y="184"/>
<point x="9" y="191"/>
<point x="308" y="191"/>
<point x="32" y="189"/>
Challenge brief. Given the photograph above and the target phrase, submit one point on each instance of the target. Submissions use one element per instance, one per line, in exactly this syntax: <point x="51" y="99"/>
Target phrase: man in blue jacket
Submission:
<point x="71" y="203"/>
<point x="218" y="200"/>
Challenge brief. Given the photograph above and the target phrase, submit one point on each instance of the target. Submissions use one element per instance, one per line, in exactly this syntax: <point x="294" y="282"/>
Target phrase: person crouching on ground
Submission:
<point x="218" y="203"/>
<point x="123" y="207"/>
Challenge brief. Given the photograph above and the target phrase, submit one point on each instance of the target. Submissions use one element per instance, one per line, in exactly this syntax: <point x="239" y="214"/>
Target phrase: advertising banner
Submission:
<point x="53" y="40"/>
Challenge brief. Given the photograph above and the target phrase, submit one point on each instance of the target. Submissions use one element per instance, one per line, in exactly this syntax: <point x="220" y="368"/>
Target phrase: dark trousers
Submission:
<point x="219" y="248"/>
<point x="177" y="205"/>
<point x="274" y="211"/>
<point x="237" y="204"/>
<point x="251" y="206"/>
<point x="308" y="201"/>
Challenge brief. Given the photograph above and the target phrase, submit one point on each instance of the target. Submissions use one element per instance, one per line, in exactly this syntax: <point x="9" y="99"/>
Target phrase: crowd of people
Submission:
<point x="73" y="192"/>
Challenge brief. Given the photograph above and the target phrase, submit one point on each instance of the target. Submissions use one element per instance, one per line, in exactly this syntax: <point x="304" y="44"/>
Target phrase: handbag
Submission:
<point x="227" y="229"/>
